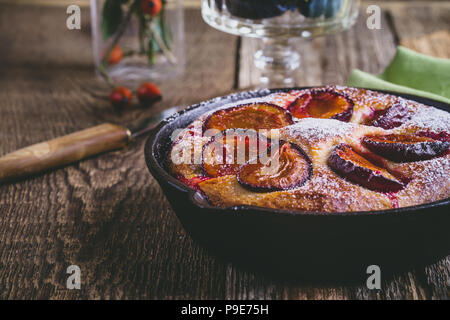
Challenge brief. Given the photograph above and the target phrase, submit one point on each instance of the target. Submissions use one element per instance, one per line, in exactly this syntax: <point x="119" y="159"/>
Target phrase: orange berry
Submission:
<point x="148" y="93"/>
<point x="116" y="55"/>
<point x="121" y="97"/>
<point x="151" y="7"/>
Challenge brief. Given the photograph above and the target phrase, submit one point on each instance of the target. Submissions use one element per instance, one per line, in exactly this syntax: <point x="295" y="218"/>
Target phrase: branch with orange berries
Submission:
<point x="154" y="37"/>
<point x="147" y="93"/>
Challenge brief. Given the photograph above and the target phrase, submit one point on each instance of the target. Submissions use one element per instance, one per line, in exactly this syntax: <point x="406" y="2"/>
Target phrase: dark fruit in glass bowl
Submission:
<point x="405" y="148"/>
<point x="219" y="4"/>
<point x="317" y="8"/>
<point x="287" y="168"/>
<point x="322" y="104"/>
<point x="257" y="9"/>
<point x="352" y="166"/>
<point x="332" y="8"/>
<point x="249" y="116"/>
<point x="229" y="149"/>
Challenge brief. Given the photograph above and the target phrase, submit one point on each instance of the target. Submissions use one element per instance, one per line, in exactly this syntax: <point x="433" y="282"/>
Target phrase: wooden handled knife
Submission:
<point x="73" y="147"/>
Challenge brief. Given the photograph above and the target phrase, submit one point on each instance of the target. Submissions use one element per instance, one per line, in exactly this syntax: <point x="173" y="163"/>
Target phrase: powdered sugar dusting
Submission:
<point x="430" y="118"/>
<point x="312" y="129"/>
<point x="280" y="99"/>
<point x="429" y="181"/>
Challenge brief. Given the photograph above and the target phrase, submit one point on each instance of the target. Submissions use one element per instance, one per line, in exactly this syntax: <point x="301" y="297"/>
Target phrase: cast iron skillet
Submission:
<point x="300" y="242"/>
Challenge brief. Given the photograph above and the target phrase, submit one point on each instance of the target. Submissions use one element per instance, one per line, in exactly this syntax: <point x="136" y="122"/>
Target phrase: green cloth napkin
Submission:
<point x="409" y="72"/>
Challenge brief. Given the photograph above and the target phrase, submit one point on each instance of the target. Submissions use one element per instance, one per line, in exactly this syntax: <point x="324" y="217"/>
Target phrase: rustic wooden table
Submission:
<point x="107" y="214"/>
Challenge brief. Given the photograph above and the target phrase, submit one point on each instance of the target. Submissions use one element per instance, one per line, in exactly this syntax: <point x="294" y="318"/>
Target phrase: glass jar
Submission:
<point x="137" y="40"/>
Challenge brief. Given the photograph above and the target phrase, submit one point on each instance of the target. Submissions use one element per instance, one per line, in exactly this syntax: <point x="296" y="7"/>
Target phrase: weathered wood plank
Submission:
<point x="431" y="38"/>
<point x="105" y="214"/>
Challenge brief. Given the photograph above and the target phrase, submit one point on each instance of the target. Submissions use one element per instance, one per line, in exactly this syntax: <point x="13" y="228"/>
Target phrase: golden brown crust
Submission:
<point x="326" y="191"/>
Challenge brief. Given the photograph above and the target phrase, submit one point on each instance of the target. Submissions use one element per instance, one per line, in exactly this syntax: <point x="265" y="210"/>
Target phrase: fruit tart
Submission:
<point x="328" y="149"/>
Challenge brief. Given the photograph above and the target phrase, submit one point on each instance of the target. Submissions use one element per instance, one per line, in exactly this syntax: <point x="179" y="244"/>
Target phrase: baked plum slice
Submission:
<point x="322" y="104"/>
<point x="441" y="136"/>
<point x="194" y="181"/>
<point x="249" y="116"/>
<point x="350" y="165"/>
<point x="405" y="148"/>
<point x="229" y="149"/>
<point x="286" y="168"/>
<point x="392" y="117"/>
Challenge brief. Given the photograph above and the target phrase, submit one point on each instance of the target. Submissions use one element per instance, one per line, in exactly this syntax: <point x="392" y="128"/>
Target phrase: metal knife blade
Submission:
<point x="147" y="124"/>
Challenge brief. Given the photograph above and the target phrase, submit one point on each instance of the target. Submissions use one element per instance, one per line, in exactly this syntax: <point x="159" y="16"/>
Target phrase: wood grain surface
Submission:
<point x="107" y="214"/>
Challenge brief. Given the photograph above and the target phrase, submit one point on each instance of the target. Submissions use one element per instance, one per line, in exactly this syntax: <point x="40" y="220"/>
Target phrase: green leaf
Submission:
<point x="155" y="44"/>
<point x="162" y="28"/>
<point x="112" y="16"/>
<point x="166" y="32"/>
<point x="151" y="51"/>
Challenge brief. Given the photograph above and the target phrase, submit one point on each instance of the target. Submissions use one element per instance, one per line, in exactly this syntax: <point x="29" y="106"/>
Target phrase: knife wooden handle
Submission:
<point x="63" y="150"/>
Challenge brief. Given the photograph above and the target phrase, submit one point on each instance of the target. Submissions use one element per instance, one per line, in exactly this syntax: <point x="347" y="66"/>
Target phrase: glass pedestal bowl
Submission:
<point x="277" y="23"/>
